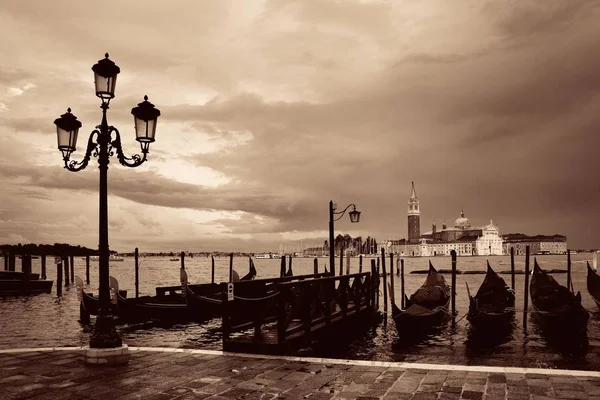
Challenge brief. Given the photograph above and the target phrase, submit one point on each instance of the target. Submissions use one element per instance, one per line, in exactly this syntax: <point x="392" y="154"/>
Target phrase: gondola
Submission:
<point x="555" y="308"/>
<point x="205" y="299"/>
<point x="494" y="304"/>
<point x="426" y="308"/>
<point x="89" y="302"/>
<point x="593" y="284"/>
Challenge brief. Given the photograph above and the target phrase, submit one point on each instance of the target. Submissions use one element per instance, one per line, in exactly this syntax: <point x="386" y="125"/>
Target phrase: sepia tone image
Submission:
<point x="299" y="199"/>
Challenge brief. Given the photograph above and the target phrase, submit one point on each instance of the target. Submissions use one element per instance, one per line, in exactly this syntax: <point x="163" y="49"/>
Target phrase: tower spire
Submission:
<point x="414" y="214"/>
<point x="413" y="194"/>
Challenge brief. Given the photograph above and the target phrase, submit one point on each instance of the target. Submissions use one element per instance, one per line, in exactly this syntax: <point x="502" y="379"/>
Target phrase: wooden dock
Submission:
<point x="296" y="312"/>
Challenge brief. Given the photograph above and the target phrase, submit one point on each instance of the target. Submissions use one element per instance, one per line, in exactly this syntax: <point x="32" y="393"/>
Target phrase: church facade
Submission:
<point x="463" y="238"/>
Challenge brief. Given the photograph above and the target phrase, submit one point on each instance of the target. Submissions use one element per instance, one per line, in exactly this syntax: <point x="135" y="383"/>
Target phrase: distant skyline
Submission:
<point x="272" y="108"/>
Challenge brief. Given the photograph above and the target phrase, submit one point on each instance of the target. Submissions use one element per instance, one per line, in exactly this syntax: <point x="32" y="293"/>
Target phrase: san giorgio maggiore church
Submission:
<point x="465" y="239"/>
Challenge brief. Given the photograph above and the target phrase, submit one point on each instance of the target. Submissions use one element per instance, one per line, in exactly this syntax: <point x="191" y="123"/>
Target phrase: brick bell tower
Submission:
<point x="414" y="217"/>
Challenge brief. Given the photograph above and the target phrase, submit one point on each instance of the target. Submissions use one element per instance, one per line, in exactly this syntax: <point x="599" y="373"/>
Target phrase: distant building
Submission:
<point x="462" y="237"/>
<point x="538" y="244"/>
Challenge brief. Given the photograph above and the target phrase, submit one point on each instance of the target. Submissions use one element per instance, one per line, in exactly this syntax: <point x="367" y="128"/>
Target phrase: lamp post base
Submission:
<point x="105" y="335"/>
<point x="114" y="356"/>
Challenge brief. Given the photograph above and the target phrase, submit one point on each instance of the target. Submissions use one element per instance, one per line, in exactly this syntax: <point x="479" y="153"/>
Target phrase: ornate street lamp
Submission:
<point x="354" y="218"/>
<point x="103" y="142"/>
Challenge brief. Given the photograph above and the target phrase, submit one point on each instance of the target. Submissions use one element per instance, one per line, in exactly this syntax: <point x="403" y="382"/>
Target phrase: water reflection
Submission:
<point x="572" y="345"/>
<point x="48" y="320"/>
<point x="482" y="343"/>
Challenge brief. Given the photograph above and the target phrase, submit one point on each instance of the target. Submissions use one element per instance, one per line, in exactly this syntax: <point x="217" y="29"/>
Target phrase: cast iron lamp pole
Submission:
<point x="354" y="217"/>
<point x="104" y="142"/>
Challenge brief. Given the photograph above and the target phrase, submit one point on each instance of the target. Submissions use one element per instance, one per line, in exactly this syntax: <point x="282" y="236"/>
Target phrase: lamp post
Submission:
<point x="354" y="217"/>
<point x="104" y="142"/>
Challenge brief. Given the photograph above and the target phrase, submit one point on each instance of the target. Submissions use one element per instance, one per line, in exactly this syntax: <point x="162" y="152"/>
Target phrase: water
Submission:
<point x="46" y="320"/>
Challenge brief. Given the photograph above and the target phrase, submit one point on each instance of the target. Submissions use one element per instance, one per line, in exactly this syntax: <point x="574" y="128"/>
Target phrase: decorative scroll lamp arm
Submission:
<point x="341" y="213"/>
<point x="75" y="166"/>
<point x="134" y="161"/>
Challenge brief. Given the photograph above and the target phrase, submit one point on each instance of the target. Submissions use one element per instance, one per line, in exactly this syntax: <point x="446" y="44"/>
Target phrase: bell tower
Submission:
<point x="414" y="217"/>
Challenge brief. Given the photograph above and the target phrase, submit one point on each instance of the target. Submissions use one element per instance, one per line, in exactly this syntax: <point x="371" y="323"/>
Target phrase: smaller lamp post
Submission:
<point x="354" y="218"/>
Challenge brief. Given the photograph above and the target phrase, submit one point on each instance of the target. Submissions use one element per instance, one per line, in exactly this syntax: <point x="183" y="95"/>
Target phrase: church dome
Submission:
<point x="462" y="222"/>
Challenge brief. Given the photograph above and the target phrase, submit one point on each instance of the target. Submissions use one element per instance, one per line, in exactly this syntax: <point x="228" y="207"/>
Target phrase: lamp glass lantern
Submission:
<point x="67" y="129"/>
<point x="105" y="78"/>
<point x="145" y="117"/>
<point x="354" y="215"/>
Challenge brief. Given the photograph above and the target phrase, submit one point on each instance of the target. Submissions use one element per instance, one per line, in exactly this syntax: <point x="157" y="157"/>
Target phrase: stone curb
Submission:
<point x="384" y="364"/>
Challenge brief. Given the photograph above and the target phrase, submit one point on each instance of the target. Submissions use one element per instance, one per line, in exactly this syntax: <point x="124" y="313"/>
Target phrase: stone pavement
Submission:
<point x="164" y="375"/>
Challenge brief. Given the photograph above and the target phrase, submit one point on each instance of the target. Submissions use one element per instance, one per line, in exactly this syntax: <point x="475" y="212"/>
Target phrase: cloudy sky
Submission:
<point x="272" y="108"/>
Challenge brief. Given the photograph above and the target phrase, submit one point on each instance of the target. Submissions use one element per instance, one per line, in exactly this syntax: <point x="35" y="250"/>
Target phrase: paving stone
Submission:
<point x="496" y="378"/>
<point x="449" y="396"/>
<point x="571" y="394"/>
<point x="471" y="395"/>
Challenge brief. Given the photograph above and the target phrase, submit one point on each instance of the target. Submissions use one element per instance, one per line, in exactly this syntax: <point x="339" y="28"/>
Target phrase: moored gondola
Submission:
<point x="164" y="307"/>
<point x="426" y="308"/>
<point x="89" y="302"/>
<point x="593" y="284"/>
<point x="205" y="299"/>
<point x="555" y="308"/>
<point x="494" y="303"/>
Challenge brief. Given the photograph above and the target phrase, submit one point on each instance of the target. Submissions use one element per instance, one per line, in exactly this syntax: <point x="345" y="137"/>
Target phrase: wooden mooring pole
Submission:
<point x="72" y="265"/>
<point x="87" y="269"/>
<point x="512" y="268"/>
<point x="392" y="287"/>
<point x="43" y="260"/>
<point x="26" y="268"/>
<point x="569" y="284"/>
<point x="212" y="269"/>
<point x="231" y="267"/>
<point x="66" y="269"/>
<point x="453" y="293"/>
<point x="290" y="269"/>
<point x="526" y="289"/>
<point x="316" y="266"/>
<point x="282" y="267"/>
<point x="59" y="276"/>
<point x="136" y="261"/>
<point x="385" y="293"/>
<point x="360" y="261"/>
<point x="402" y="293"/>
<point x="11" y="262"/>
<point x="374" y="283"/>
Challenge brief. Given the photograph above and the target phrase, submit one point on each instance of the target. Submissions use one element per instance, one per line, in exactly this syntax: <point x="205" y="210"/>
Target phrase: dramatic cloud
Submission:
<point x="272" y="108"/>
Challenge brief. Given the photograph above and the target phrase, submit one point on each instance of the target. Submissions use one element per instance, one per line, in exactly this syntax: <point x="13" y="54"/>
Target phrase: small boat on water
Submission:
<point x="593" y="284"/>
<point x="264" y="256"/>
<point x="14" y="283"/>
<point x="426" y="308"/>
<point x="173" y="259"/>
<point x="494" y="304"/>
<point x="556" y="309"/>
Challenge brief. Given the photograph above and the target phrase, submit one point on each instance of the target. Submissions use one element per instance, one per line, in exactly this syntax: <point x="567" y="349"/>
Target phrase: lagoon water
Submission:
<point x="46" y="320"/>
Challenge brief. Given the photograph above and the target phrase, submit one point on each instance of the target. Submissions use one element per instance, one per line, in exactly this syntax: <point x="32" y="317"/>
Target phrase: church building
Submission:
<point x="465" y="239"/>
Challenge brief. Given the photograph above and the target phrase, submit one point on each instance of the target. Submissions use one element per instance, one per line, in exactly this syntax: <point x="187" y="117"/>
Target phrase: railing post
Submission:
<point x="225" y="319"/>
